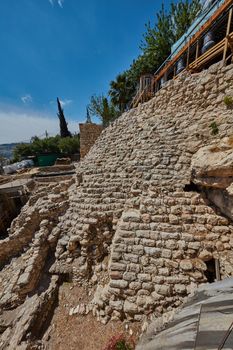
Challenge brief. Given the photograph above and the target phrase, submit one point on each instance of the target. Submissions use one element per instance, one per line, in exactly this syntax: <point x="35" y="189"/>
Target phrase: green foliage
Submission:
<point x="157" y="39"/>
<point x="46" y="145"/>
<point x="56" y="144"/>
<point x="22" y="151"/>
<point x="118" y="342"/>
<point x="122" y="345"/>
<point x="102" y="108"/>
<point x="2" y="160"/>
<point x="155" y="47"/>
<point x="214" y="128"/>
<point x="69" y="145"/>
<point x="182" y="15"/>
<point x="121" y="91"/>
<point x="228" y="100"/>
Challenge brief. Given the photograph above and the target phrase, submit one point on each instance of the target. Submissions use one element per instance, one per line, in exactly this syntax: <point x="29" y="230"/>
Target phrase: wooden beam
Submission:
<point x="188" y="52"/>
<point x="230" y="43"/>
<point x="208" y="55"/>
<point x="197" y="49"/>
<point x="217" y="269"/>
<point x="227" y="34"/>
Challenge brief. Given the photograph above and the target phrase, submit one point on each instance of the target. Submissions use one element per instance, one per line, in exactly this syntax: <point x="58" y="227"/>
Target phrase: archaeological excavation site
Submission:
<point x="129" y="233"/>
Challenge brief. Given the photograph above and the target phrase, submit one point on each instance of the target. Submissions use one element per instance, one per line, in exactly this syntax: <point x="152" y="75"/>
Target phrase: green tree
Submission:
<point x="88" y="117"/>
<point x="157" y="40"/>
<point x="2" y="161"/>
<point x="121" y="91"/>
<point x="155" y="47"/>
<point x="22" y="151"/>
<point x="103" y="109"/>
<point x="69" y="145"/>
<point x="46" y="145"/>
<point x="183" y="14"/>
<point x="37" y="146"/>
<point x="64" y="132"/>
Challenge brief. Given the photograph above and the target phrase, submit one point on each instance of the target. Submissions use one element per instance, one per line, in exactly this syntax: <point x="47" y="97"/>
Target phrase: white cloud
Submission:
<point x="59" y="2"/>
<point x="20" y="126"/>
<point x="26" y="99"/>
<point x="65" y="102"/>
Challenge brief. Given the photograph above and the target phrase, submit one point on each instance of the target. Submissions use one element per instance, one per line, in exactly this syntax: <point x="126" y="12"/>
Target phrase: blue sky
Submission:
<point x="66" y="48"/>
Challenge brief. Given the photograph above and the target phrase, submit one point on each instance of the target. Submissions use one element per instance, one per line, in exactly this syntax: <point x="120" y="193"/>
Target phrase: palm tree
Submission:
<point x="100" y="107"/>
<point x="121" y="91"/>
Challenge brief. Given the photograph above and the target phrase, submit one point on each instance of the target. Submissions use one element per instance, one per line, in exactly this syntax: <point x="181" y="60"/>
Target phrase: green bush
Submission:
<point x="69" y="145"/>
<point x="118" y="342"/>
<point x="56" y="144"/>
<point x="214" y="128"/>
<point x="228" y="100"/>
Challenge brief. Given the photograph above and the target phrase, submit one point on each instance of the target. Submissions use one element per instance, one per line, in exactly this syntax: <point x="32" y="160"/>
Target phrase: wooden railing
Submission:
<point x="212" y="53"/>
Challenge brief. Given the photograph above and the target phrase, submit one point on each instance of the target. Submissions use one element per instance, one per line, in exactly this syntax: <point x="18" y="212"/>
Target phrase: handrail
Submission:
<point x="138" y="96"/>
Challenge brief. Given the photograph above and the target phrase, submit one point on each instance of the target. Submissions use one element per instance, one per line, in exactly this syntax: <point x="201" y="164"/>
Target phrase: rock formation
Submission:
<point x="133" y="223"/>
<point x="212" y="171"/>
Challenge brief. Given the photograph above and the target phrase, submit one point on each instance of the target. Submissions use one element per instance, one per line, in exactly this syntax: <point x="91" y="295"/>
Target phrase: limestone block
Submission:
<point x="116" y="304"/>
<point x="163" y="289"/>
<point x="180" y="288"/>
<point x="129" y="276"/>
<point x="205" y="255"/>
<point x="131" y="215"/>
<point x="116" y="275"/>
<point x="121" y="284"/>
<point x="155" y="252"/>
<point x="118" y="266"/>
<point x="24" y="279"/>
<point x="186" y="265"/>
<point x="130" y="308"/>
<point x="144" y="277"/>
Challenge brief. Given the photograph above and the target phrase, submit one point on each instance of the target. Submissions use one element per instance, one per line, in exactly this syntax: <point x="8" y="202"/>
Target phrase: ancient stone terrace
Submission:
<point x="133" y="201"/>
<point x="131" y="223"/>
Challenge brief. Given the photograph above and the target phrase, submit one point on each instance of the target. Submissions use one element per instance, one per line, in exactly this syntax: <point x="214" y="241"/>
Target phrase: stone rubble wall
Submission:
<point x="31" y="243"/>
<point x="89" y="133"/>
<point x="129" y="201"/>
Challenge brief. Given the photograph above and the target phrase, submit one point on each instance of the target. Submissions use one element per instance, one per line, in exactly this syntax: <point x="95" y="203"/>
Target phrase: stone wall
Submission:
<point x="130" y="202"/>
<point x="89" y="132"/>
<point x="130" y="223"/>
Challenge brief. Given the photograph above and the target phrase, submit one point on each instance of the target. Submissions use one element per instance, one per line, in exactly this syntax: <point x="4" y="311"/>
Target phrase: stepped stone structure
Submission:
<point x="132" y="222"/>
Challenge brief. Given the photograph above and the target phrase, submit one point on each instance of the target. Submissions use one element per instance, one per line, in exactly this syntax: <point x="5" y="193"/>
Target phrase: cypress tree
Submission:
<point x="88" y="117"/>
<point x="64" y="132"/>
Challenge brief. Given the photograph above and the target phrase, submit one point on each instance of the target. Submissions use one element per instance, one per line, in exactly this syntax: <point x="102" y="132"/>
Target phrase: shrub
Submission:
<point x="214" y="128"/>
<point x="56" y="144"/>
<point x="119" y="343"/>
<point x="228" y="100"/>
<point x="69" y="145"/>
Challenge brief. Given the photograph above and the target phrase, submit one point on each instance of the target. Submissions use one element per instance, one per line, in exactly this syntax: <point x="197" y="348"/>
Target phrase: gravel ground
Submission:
<point x="83" y="332"/>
